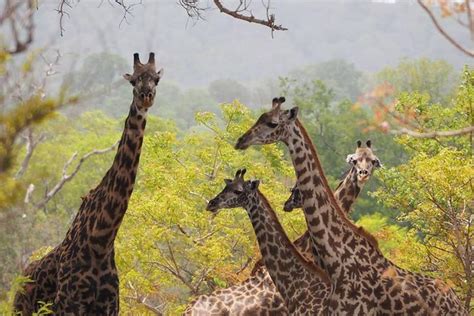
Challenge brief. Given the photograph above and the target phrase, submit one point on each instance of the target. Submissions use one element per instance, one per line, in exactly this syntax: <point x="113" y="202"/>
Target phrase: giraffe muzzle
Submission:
<point x="289" y="206"/>
<point x="212" y="206"/>
<point x="242" y="143"/>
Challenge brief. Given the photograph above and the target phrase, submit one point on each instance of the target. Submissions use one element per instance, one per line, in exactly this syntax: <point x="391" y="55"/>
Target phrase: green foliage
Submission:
<point x="169" y="247"/>
<point x="6" y="303"/>
<point x="343" y="78"/>
<point x="6" y="300"/>
<point x="33" y="108"/>
<point x="436" y="78"/>
<point x="398" y="244"/>
<point x="433" y="190"/>
<point x="221" y="89"/>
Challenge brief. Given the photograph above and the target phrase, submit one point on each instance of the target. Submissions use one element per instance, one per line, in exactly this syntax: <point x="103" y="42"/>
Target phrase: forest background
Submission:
<point x="357" y="70"/>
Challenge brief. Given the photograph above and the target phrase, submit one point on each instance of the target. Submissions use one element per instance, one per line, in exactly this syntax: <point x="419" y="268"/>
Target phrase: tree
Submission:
<point x="392" y="115"/>
<point x="221" y="89"/>
<point x="170" y="249"/>
<point x="433" y="190"/>
<point x="343" y="78"/>
<point x="436" y="78"/>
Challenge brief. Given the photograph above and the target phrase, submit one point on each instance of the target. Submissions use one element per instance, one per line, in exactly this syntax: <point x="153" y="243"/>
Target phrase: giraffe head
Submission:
<point x="270" y="127"/>
<point x="363" y="161"/>
<point x="144" y="80"/>
<point x="237" y="193"/>
<point x="294" y="201"/>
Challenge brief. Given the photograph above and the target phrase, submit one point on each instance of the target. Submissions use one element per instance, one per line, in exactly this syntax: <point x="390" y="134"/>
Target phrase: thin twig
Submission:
<point x="31" y="144"/>
<point x="443" y="32"/>
<point x="269" y="22"/>
<point x="434" y="134"/>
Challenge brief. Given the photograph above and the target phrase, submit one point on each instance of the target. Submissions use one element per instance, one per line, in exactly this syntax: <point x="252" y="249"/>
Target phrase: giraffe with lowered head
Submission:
<point x="258" y="295"/>
<point x="86" y="280"/>
<point x="303" y="286"/>
<point x="364" y="281"/>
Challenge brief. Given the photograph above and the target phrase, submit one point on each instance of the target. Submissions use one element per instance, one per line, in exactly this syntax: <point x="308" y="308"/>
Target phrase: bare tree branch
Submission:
<point x="443" y="31"/>
<point x="31" y="144"/>
<point x="20" y="18"/>
<point x="237" y="13"/>
<point x="62" y="12"/>
<point x="68" y="177"/>
<point x="434" y="134"/>
<point x="142" y="300"/>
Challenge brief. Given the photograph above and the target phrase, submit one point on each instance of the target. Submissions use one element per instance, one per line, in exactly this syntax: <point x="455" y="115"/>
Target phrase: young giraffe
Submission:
<point x="258" y="295"/>
<point x="85" y="279"/>
<point x="364" y="281"/>
<point x="303" y="286"/>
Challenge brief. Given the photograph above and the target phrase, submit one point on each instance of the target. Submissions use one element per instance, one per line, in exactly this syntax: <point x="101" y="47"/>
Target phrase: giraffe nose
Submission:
<point x="144" y="95"/>
<point x="241" y="143"/>
<point x="288" y="207"/>
<point x="212" y="205"/>
<point x="363" y="172"/>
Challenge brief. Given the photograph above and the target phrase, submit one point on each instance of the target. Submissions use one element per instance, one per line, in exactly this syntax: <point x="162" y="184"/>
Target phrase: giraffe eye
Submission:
<point x="272" y="125"/>
<point x="238" y="192"/>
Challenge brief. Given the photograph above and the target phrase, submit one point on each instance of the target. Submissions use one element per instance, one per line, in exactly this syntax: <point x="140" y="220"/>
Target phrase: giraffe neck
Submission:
<point x="283" y="262"/>
<point x="348" y="190"/>
<point x="108" y="203"/>
<point x="346" y="194"/>
<point x="330" y="230"/>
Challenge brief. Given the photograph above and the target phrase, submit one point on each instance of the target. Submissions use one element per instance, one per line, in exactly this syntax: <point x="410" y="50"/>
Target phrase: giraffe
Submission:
<point x="83" y="277"/>
<point x="258" y="294"/>
<point x="255" y="296"/>
<point x="364" y="281"/>
<point x="303" y="286"/>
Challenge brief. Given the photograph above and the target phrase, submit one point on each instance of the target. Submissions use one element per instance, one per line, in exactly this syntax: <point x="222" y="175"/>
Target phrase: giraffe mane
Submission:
<point x="357" y="230"/>
<point x="317" y="270"/>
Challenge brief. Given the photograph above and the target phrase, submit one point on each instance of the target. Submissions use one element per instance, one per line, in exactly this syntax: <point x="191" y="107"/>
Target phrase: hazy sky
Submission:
<point x="371" y="35"/>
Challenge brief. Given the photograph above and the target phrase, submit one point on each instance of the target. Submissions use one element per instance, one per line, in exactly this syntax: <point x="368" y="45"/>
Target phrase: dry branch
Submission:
<point x="195" y="9"/>
<point x="443" y="31"/>
<point x="68" y="177"/>
<point x="31" y="144"/>
<point x="237" y="13"/>
<point x="21" y="21"/>
<point x="434" y="134"/>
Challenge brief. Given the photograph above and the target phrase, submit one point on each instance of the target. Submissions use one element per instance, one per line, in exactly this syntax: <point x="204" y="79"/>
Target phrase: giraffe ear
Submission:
<point x="293" y="113"/>
<point x="127" y="77"/>
<point x="254" y="184"/>
<point x="227" y="181"/>
<point x="350" y="159"/>
<point x="377" y="163"/>
<point x="160" y="73"/>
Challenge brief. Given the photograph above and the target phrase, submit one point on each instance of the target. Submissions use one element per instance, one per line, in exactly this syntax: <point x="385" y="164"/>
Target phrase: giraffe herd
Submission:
<point x="334" y="268"/>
